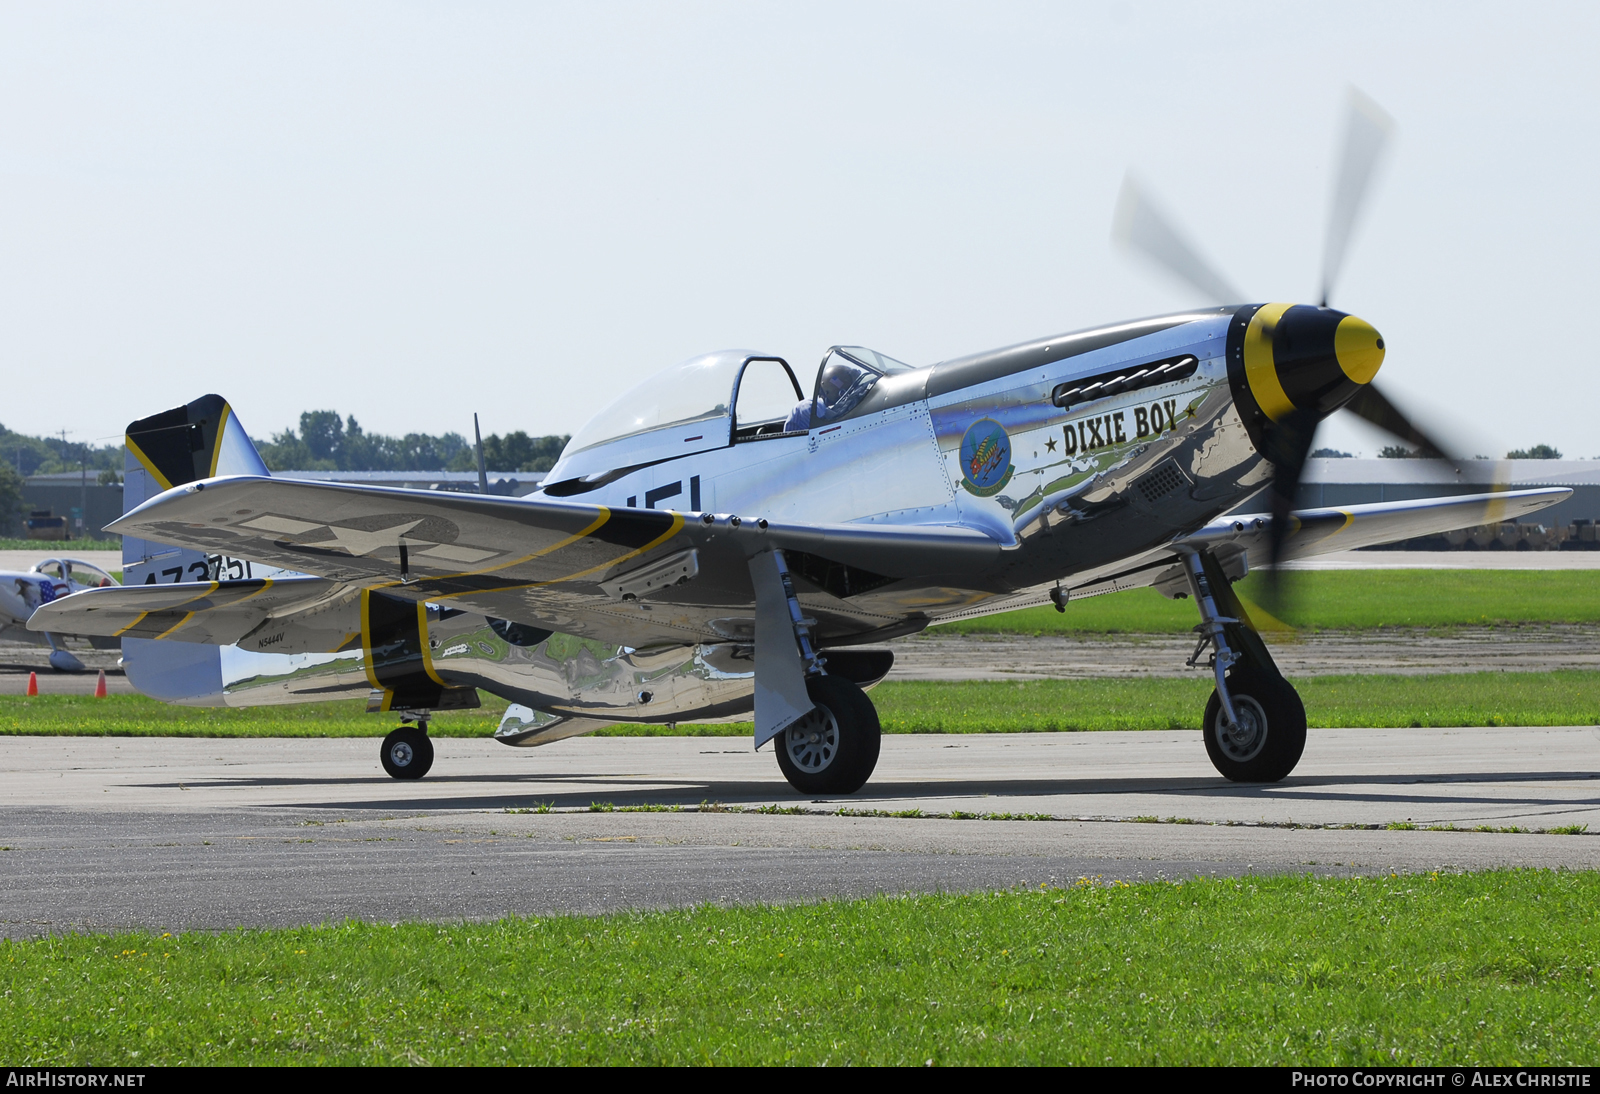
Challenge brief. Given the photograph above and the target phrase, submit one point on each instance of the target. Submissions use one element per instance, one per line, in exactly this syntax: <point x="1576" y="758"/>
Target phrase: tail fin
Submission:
<point x="169" y="449"/>
<point x="178" y="446"/>
<point x="192" y="442"/>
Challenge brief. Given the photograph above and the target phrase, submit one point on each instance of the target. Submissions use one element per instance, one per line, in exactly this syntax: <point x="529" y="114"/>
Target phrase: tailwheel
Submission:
<point x="1269" y="736"/>
<point x="407" y="752"/>
<point x="833" y="749"/>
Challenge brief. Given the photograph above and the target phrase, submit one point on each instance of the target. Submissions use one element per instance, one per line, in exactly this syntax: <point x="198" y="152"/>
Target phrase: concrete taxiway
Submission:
<point x="25" y="559"/>
<point x="181" y="834"/>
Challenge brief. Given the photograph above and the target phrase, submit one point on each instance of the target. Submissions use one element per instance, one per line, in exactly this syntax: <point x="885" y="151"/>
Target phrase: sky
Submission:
<point x="413" y="212"/>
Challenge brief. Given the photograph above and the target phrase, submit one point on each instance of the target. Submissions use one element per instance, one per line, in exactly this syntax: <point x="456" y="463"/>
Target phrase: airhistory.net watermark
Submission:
<point x="54" y="1078"/>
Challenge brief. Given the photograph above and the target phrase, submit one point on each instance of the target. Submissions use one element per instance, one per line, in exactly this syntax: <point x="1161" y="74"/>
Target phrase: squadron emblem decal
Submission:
<point x="985" y="458"/>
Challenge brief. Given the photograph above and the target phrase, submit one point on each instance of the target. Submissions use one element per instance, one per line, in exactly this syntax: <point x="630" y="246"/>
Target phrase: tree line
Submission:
<point x="325" y="441"/>
<point x="29" y="455"/>
<point x="328" y="442"/>
<point x="22" y="455"/>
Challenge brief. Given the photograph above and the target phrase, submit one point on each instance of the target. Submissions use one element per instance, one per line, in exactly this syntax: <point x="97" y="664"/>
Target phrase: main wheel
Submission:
<point x="407" y="753"/>
<point x="1270" y="735"/>
<point x="833" y="749"/>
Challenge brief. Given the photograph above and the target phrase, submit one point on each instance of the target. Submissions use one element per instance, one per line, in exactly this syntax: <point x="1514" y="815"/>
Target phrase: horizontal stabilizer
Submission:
<point x="215" y="612"/>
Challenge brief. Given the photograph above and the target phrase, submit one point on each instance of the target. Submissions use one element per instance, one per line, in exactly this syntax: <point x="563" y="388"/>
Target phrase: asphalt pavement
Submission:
<point x="102" y="833"/>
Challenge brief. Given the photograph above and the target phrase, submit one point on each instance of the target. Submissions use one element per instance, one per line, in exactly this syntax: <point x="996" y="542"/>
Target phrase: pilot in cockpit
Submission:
<point x="843" y="384"/>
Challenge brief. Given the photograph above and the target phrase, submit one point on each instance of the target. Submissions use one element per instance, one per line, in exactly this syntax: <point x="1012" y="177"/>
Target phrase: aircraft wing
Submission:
<point x="216" y="612"/>
<point x="1343" y="528"/>
<point x="634" y="576"/>
<point x="1243" y="541"/>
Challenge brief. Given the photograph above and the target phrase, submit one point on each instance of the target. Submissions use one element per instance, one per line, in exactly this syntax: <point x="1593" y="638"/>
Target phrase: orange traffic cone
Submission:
<point x="100" y="686"/>
<point x="33" y="683"/>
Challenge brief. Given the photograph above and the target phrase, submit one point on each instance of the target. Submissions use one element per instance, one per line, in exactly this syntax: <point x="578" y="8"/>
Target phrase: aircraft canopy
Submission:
<point x="687" y="408"/>
<point x="696" y="390"/>
<point x="74" y="570"/>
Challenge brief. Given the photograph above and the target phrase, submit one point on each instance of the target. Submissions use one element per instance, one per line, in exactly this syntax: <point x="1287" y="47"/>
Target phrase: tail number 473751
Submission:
<point x="214" y="568"/>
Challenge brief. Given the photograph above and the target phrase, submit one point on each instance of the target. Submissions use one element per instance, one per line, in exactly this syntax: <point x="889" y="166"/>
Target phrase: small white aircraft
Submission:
<point x="22" y="592"/>
<point x="721" y="541"/>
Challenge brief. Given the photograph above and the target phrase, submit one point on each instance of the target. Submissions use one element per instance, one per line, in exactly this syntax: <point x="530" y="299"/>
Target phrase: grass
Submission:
<point x="1487" y="969"/>
<point x="1336" y="600"/>
<point x="48" y="547"/>
<point x="137" y="716"/>
<point x="975" y="706"/>
<point x="1467" y="699"/>
<point x="707" y="806"/>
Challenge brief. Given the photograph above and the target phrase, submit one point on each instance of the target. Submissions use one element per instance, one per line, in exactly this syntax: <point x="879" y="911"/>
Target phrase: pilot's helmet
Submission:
<point x="838" y="377"/>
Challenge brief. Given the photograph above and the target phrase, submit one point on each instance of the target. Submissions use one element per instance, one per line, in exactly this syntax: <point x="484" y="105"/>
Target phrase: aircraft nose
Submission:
<point x="1306" y="358"/>
<point x="1359" y="349"/>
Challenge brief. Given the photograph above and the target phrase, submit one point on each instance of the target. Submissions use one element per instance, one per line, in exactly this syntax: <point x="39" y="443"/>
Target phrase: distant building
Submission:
<point x="80" y="498"/>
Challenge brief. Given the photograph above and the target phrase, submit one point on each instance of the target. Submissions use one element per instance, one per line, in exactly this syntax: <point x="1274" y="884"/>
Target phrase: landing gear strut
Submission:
<point x="822" y="726"/>
<point x="407" y="752"/>
<point x="1255" y="724"/>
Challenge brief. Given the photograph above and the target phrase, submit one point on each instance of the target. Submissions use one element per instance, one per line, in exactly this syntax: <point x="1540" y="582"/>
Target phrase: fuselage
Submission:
<point x="1071" y="491"/>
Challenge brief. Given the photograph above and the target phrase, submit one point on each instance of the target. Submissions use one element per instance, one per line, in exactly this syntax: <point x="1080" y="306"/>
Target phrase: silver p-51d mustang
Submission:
<point x="726" y="538"/>
<point x="1088" y="462"/>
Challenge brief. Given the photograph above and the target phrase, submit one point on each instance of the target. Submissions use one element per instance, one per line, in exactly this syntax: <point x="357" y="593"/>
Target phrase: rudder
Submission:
<point x="196" y="441"/>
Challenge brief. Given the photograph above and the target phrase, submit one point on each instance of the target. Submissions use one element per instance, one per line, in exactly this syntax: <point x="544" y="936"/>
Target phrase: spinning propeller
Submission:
<point x="1301" y="362"/>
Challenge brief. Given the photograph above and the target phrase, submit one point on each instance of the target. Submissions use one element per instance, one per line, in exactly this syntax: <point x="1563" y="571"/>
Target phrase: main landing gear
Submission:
<point x="833" y="749"/>
<point x="1255" y="724"/>
<point x="407" y="752"/>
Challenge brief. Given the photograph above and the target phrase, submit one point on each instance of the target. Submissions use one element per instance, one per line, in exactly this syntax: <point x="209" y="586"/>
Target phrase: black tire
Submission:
<point x="833" y="749"/>
<point x="1274" y="730"/>
<point x="407" y="753"/>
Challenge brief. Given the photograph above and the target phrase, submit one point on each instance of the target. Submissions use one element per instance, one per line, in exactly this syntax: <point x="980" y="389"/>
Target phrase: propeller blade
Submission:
<point x="1366" y="134"/>
<point x="1373" y="406"/>
<point x="1288" y="444"/>
<point x="1140" y="225"/>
